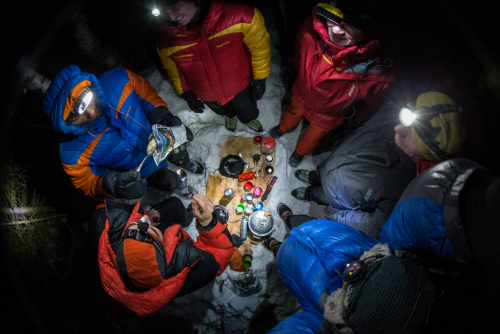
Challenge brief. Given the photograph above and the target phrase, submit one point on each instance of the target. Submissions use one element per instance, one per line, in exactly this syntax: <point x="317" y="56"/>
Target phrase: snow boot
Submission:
<point x="302" y="175"/>
<point x="183" y="189"/>
<point x="254" y="125"/>
<point x="269" y="243"/>
<point x="301" y="193"/>
<point x="194" y="167"/>
<point x="284" y="211"/>
<point x="276" y="132"/>
<point x="295" y="159"/>
<point x="231" y="123"/>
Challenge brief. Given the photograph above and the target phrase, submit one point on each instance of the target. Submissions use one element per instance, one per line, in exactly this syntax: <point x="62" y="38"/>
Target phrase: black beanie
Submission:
<point x="395" y="296"/>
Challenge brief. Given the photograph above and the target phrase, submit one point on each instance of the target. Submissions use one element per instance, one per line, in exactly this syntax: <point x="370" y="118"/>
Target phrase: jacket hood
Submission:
<point x="366" y="47"/>
<point x="59" y="98"/>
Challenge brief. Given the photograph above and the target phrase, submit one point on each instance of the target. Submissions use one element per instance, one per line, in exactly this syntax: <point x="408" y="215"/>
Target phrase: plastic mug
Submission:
<point x="248" y="186"/>
<point x="239" y="209"/>
<point x="257" y="191"/>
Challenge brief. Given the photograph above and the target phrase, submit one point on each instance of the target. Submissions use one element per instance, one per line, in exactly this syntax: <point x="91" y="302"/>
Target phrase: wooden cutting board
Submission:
<point x="216" y="183"/>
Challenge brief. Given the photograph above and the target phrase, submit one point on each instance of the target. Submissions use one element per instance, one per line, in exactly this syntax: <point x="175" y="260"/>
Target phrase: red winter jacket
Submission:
<point x="217" y="58"/>
<point x="326" y="83"/>
<point x="144" y="303"/>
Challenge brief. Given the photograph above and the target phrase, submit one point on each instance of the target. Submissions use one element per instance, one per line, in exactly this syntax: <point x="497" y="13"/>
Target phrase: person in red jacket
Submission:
<point x="216" y="54"/>
<point x="338" y="67"/>
<point x="146" y="259"/>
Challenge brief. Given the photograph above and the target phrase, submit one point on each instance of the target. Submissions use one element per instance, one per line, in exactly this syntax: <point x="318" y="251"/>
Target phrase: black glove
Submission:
<point x="161" y="115"/>
<point x="189" y="133"/>
<point x="258" y="89"/>
<point x="127" y="185"/>
<point x="193" y="102"/>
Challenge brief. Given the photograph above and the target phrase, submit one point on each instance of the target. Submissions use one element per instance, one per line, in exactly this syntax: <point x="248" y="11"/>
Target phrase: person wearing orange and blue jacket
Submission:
<point x="106" y="124"/>
<point x="218" y="55"/>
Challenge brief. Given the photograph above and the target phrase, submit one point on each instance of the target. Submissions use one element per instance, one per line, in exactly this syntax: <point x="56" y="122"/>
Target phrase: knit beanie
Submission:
<point x="393" y="296"/>
<point x="357" y="13"/>
<point x="444" y="131"/>
<point x="139" y="264"/>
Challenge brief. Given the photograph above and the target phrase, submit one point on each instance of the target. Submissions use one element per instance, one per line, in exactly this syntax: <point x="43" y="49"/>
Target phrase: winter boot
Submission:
<point x="254" y="125"/>
<point x="295" y="159"/>
<point x="183" y="189"/>
<point x="231" y="123"/>
<point x="284" y="211"/>
<point x="269" y="243"/>
<point x="302" y="175"/>
<point x="301" y="193"/>
<point x="194" y="167"/>
<point x="276" y="132"/>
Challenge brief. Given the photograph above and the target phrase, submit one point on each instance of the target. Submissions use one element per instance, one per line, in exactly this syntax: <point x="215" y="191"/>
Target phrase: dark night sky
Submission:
<point x="436" y="44"/>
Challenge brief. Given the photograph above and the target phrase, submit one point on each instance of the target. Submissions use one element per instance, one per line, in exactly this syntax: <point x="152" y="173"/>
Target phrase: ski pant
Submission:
<point x="313" y="135"/>
<point x="242" y="105"/>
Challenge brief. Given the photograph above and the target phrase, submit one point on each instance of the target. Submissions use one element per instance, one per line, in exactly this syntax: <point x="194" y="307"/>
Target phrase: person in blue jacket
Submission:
<point x="312" y="262"/>
<point x="106" y="123"/>
<point x="451" y="210"/>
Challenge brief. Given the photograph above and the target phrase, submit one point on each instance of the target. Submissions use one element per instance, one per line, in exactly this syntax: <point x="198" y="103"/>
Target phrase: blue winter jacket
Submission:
<point x="307" y="261"/>
<point x="117" y="140"/>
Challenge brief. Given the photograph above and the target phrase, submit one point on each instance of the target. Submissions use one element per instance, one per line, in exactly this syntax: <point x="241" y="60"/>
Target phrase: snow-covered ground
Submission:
<point x="216" y="305"/>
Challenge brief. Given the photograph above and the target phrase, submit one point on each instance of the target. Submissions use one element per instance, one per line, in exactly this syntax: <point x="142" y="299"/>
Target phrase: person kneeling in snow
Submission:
<point x="365" y="176"/>
<point x="146" y="259"/>
<point x="315" y="263"/>
<point x="107" y="123"/>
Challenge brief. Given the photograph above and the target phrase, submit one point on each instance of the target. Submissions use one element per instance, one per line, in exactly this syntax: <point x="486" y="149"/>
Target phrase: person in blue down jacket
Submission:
<point x="451" y="209"/>
<point x="106" y="124"/>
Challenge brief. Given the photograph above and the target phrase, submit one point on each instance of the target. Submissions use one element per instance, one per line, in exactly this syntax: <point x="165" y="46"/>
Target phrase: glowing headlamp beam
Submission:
<point x="85" y="102"/>
<point x="406" y="116"/>
<point x="155" y="12"/>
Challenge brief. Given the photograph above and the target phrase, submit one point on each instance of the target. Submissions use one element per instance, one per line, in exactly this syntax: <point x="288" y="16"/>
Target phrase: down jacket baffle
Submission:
<point x="118" y="139"/>
<point x="365" y="176"/>
<point x="215" y="241"/>
<point x="307" y="262"/>
<point x="217" y="58"/>
<point x="333" y="78"/>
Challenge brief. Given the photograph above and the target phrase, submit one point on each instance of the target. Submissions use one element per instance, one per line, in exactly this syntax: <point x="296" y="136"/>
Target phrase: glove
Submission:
<point x="193" y="102"/>
<point x="258" y="89"/>
<point x="127" y="185"/>
<point x="161" y="115"/>
<point x="189" y="134"/>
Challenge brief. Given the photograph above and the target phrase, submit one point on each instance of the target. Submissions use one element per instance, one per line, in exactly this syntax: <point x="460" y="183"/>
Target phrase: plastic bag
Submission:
<point x="167" y="138"/>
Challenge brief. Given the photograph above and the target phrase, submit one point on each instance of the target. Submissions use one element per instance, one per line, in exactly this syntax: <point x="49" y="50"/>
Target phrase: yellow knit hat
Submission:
<point x="442" y="135"/>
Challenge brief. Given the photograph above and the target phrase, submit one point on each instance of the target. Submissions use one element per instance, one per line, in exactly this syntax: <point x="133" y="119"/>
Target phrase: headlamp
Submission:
<point x="155" y="11"/>
<point x="85" y="102"/>
<point x="406" y="116"/>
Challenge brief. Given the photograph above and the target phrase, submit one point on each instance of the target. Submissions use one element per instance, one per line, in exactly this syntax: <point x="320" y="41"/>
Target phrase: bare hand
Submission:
<point x="202" y="209"/>
<point x="154" y="217"/>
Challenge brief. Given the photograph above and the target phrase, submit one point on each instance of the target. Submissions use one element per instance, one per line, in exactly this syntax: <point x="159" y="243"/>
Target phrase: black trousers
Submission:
<point x="242" y="105"/>
<point x="315" y="192"/>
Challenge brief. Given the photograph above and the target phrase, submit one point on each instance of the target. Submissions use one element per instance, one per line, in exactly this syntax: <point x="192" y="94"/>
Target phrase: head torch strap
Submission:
<point x="144" y="237"/>
<point x="330" y="12"/>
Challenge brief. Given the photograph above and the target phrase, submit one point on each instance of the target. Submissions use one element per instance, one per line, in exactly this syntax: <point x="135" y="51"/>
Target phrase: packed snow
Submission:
<point x="216" y="306"/>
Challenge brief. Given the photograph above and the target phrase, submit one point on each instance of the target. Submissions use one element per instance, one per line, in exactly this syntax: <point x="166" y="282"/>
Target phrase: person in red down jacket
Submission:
<point x="338" y="64"/>
<point x="146" y="259"/>
<point x="218" y="55"/>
